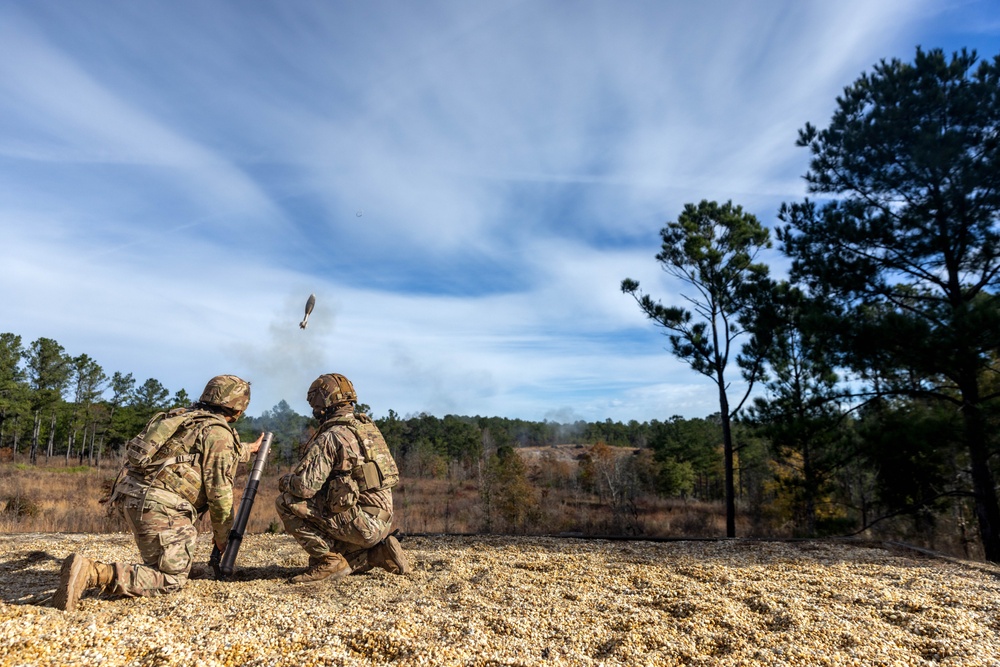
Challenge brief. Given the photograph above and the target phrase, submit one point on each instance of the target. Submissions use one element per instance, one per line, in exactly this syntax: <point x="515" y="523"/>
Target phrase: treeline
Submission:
<point x="895" y="463"/>
<point x="55" y="404"/>
<point x="888" y="458"/>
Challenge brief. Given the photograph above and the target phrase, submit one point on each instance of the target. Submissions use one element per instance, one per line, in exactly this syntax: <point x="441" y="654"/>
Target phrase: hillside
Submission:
<point x="565" y="453"/>
<point x="520" y="601"/>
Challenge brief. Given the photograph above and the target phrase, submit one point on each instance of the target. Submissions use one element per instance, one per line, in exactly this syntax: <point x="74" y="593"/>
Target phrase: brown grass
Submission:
<point x="55" y="498"/>
<point x="66" y="500"/>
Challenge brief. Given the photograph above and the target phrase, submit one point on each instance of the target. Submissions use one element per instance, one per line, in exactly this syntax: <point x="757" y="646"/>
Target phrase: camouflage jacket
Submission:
<point x="325" y="471"/>
<point x="206" y="483"/>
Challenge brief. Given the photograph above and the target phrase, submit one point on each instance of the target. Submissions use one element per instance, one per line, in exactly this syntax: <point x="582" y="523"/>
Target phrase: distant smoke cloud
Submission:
<point x="563" y="415"/>
<point x="444" y="390"/>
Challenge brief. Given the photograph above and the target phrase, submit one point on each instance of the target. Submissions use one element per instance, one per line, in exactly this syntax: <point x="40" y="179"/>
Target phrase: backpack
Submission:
<point x="162" y="442"/>
<point x="379" y="470"/>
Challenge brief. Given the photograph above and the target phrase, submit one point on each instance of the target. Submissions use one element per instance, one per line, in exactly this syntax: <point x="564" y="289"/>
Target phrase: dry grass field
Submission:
<point x="519" y="601"/>
<point x="54" y="497"/>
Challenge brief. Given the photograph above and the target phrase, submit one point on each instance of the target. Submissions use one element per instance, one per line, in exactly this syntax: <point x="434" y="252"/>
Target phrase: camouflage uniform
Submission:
<point x="337" y="503"/>
<point x="162" y="514"/>
<point x="195" y="463"/>
<point x="321" y="505"/>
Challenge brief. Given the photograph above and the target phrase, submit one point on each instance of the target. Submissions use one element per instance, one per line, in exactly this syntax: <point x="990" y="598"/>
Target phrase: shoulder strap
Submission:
<point x="333" y="421"/>
<point x="351" y="422"/>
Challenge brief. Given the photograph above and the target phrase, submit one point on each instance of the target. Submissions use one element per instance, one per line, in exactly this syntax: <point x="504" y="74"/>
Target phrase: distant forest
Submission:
<point x="54" y="404"/>
<point x="899" y="458"/>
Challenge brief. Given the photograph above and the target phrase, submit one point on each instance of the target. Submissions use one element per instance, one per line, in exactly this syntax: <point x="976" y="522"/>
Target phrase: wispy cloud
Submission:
<point x="463" y="185"/>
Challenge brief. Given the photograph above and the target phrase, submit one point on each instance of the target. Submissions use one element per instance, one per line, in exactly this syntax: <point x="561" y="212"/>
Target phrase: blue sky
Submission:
<point x="463" y="185"/>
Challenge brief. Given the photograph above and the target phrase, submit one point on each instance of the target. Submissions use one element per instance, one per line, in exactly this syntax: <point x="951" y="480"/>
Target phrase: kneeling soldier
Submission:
<point x="182" y="464"/>
<point x="337" y="503"/>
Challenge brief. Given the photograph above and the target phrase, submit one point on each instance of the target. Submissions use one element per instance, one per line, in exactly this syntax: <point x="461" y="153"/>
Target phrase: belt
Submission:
<point x="376" y="512"/>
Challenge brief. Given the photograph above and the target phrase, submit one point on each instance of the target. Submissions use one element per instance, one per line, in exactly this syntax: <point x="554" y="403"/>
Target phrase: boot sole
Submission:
<point x="68" y="594"/>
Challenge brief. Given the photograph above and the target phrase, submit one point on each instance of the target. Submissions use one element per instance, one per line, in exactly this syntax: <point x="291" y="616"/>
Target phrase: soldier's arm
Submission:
<point x="313" y="470"/>
<point x="218" y="471"/>
<point x="250" y="448"/>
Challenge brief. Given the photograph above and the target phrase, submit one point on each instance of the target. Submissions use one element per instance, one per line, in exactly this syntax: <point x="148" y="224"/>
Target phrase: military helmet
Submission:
<point x="330" y="389"/>
<point x="227" y="391"/>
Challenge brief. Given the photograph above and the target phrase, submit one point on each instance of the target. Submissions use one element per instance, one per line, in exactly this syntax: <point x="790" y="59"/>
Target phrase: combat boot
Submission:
<point x="331" y="565"/>
<point x="388" y="555"/>
<point x="77" y="575"/>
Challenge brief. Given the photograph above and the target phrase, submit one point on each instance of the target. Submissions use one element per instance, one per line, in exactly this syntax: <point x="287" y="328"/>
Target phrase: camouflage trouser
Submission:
<point x="351" y="533"/>
<point x="166" y="536"/>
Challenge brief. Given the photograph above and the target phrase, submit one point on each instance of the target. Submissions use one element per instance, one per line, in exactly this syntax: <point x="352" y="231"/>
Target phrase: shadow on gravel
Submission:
<point x="263" y="573"/>
<point x="31" y="577"/>
<point x="27" y="559"/>
<point x="26" y="578"/>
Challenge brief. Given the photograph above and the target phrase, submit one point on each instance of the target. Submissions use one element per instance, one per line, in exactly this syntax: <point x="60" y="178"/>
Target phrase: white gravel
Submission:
<point x="519" y="601"/>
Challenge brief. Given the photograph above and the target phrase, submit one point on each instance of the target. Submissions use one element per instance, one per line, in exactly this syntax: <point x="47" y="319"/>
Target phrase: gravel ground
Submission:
<point x="519" y="601"/>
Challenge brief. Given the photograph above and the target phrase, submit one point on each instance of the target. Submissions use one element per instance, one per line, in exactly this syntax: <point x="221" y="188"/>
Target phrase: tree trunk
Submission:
<point x="811" y="489"/>
<point x="51" y="444"/>
<point x="983" y="485"/>
<point x="100" y="449"/>
<point x="727" y="451"/>
<point x="107" y="427"/>
<point x="33" y="456"/>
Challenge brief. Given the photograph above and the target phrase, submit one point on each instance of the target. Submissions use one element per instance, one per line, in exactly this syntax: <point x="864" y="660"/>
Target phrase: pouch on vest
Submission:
<point x="379" y="470"/>
<point x="369" y="475"/>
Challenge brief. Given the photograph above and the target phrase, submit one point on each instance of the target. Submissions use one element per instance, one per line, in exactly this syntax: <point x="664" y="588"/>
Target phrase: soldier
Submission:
<point x="181" y="465"/>
<point x="337" y="503"/>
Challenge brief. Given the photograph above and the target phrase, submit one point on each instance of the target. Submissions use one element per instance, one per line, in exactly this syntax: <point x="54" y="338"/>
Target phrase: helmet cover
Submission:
<point x="330" y="389"/>
<point x="227" y="391"/>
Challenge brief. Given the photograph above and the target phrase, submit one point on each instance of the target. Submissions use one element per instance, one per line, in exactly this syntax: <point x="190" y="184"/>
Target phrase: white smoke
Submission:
<point x="283" y="367"/>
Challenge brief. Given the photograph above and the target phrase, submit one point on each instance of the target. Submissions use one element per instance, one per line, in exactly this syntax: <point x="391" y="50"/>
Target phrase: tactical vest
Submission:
<point x="168" y="440"/>
<point x="378" y="470"/>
